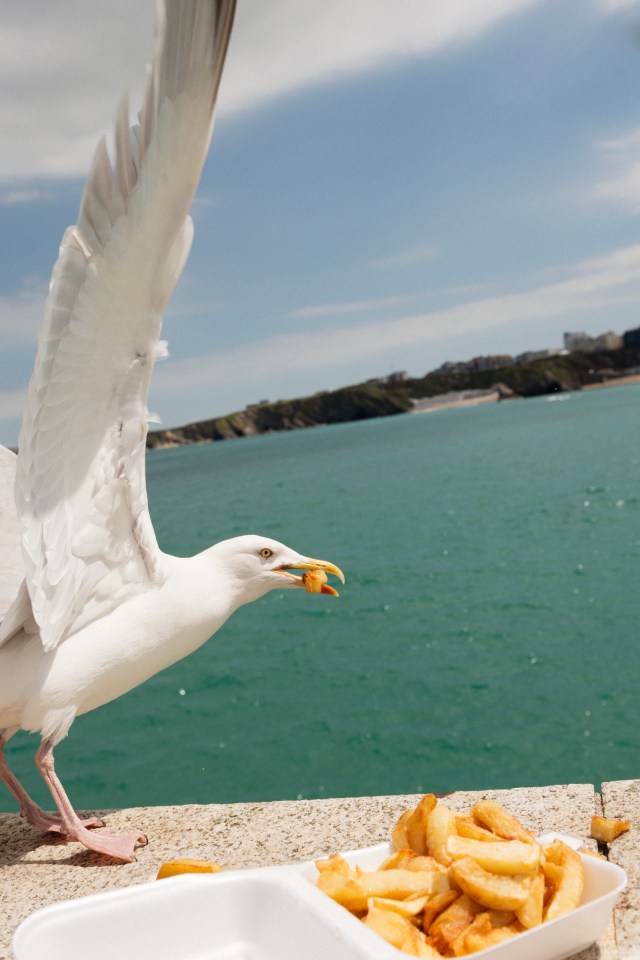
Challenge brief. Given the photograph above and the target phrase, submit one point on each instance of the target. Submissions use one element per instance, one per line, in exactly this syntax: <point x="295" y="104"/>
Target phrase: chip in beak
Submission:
<point x="314" y="580"/>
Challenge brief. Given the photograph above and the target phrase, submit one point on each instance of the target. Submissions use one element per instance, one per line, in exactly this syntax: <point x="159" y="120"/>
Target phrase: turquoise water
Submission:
<point x="487" y="635"/>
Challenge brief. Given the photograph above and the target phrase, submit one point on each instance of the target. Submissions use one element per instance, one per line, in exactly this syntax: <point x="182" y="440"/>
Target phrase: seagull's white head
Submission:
<point x="260" y="564"/>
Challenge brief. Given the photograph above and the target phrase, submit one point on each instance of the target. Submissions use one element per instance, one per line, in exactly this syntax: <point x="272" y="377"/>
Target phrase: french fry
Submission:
<point x="570" y="884"/>
<point x="436" y="905"/>
<point x="399" y="834"/>
<point x="552" y="874"/>
<point x="426" y="864"/>
<point x="502" y="918"/>
<point x="399" y="932"/>
<point x="417" y="823"/>
<point x="467" y="827"/>
<point x="314" y="580"/>
<point x="390" y="926"/>
<point x="497" y="891"/>
<point x="606" y="830"/>
<point x="504" y="856"/>
<point x="492" y="815"/>
<point x="440" y="826"/>
<point x="410" y="860"/>
<point x="173" y="868"/>
<point x="452" y="922"/>
<point x="475" y="940"/>
<point x="530" y="913"/>
<point x="354" y="890"/>
<point x="399" y="858"/>
<point x="480" y="925"/>
<point x="406" y="908"/>
<point x="336" y="863"/>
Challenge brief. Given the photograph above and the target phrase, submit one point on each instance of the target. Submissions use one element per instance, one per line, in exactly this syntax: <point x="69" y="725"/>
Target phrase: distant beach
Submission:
<point x="457" y="398"/>
<point x="470" y="398"/>
<point x="614" y="382"/>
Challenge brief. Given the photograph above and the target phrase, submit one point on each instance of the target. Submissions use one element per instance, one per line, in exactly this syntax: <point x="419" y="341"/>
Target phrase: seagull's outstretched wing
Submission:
<point x="11" y="566"/>
<point x="88" y="542"/>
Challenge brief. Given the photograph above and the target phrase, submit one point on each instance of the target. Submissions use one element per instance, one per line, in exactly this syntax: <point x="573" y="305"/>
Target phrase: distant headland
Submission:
<point x="583" y="362"/>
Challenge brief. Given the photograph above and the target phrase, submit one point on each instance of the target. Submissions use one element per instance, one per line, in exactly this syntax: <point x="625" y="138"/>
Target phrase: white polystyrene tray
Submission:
<point x="274" y="913"/>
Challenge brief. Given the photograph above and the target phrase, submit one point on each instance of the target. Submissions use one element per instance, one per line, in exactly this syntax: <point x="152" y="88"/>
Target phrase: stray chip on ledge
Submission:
<point x="173" y="868"/>
<point x="607" y="830"/>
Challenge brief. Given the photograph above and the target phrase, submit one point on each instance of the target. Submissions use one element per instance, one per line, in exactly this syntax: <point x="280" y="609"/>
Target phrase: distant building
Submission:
<point x="583" y="343"/>
<point x="449" y="366"/>
<point x="576" y="341"/>
<point x="398" y="376"/>
<point x="532" y="355"/>
<point x="494" y="362"/>
<point x="631" y="338"/>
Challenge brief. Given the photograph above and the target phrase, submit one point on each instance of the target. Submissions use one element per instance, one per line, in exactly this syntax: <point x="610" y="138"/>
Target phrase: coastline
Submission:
<point x="555" y="377"/>
<point x="467" y="399"/>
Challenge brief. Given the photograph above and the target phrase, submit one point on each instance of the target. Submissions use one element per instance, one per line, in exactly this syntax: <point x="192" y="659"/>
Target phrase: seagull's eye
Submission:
<point x="265" y="553"/>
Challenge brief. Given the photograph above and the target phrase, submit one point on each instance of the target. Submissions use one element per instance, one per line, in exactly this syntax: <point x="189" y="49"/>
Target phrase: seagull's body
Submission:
<point x="90" y="605"/>
<point x="151" y="630"/>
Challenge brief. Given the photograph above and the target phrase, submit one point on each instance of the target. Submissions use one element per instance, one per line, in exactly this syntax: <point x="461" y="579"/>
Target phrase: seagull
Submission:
<point x="90" y="605"/>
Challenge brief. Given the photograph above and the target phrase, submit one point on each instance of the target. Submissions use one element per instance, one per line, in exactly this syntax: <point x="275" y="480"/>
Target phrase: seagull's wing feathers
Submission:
<point x="88" y="541"/>
<point x="11" y="567"/>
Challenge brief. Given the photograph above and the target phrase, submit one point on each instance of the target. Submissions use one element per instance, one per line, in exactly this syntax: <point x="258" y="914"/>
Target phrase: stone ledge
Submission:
<point x="37" y="870"/>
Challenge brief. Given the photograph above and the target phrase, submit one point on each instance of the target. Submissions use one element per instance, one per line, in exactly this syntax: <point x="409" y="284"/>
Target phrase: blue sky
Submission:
<point x="390" y="185"/>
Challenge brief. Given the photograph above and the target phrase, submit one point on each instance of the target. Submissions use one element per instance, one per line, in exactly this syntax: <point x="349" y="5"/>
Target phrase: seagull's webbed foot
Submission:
<point x="70" y="824"/>
<point x="103" y="841"/>
<point x="29" y="809"/>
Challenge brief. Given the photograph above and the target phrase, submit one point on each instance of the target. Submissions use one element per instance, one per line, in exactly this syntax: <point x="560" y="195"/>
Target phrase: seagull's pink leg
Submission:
<point x="29" y="809"/>
<point x="120" y="848"/>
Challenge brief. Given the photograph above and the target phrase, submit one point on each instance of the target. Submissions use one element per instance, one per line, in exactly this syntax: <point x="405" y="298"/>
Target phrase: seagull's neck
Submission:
<point x="203" y="594"/>
<point x="199" y="594"/>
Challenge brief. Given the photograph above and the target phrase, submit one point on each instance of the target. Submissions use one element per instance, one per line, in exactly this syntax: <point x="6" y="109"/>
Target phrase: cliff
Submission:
<point x="380" y="399"/>
<point x="360" y="402"/>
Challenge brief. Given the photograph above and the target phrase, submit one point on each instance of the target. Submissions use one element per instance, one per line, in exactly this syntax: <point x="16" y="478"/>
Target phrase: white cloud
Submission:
<point x="355" y="306"/>
<point x="407" y="258"/>
<point x="621" y="147"/>
<point x="624" y="189"/>
<point x="286" y="44"/>
<point x="10" y="198"/>
<point x="65" y="65"/>
<point x="20" y="317"/>
<point x="12" y="403"/>
<point x="613" y="6"/>
<point x="622" y="156"/>
<point x="63" y="69"/>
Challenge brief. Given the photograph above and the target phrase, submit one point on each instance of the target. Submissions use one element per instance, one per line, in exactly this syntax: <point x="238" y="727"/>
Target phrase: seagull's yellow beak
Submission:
<point x="311" y="583"/>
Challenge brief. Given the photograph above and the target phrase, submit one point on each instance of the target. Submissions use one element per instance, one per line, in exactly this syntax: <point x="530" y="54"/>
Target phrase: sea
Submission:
<point x="487" y="635"/>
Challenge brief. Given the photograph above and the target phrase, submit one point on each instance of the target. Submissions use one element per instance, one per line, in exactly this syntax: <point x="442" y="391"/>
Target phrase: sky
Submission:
<point x="390" y="186"/>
